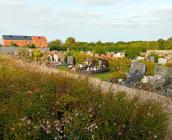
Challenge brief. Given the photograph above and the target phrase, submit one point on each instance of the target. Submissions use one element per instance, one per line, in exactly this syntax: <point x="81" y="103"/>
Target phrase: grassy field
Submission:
<point x="105" y="76"/>
<point x="41" y="106"/>
<point x="63" y="68"/>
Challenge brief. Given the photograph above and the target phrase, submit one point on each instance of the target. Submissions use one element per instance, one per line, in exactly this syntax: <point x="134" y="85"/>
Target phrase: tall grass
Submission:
<point x="41" y="106"/>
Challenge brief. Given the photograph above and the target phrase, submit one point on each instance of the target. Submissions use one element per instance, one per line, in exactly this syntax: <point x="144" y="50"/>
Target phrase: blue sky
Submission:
<point x="88" y="20"/>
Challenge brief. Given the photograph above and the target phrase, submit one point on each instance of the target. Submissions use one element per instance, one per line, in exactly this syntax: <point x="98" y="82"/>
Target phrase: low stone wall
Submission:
<point x="11" y="50"/>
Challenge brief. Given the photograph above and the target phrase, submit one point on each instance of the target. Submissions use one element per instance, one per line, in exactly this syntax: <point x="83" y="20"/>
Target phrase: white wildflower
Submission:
<point x="148" y="114"/>
<point x="155" y="136"/>
<point x="119" y="133"/>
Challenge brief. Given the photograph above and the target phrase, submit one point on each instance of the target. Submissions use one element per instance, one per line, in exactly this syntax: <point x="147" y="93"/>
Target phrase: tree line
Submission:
<point x="132" y="48"/>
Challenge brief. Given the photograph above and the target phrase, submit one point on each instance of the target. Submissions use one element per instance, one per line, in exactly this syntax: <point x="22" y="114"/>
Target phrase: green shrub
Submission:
<point x="35" y="105"/>
<point x="149" y="67"/>
<point x="81" y="57"/>
<point x="119" y="67"/>
<point x="37" y="53"/>
<point x="119" y="64"/>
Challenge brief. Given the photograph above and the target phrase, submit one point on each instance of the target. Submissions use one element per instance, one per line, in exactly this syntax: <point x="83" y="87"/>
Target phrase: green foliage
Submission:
<point x="132" y="49"/>
<point x="71" y="53"/>
<point x="70" y="41"/>
<point x="55" y="45"/>
<point x="149" y="67"/>
<point x="31" y="46"/>
<point x="37" y="53"/>
<point x="81" y="57"/>
<point x="161" y="43"/>
<point x="111" y="76"/>
<point x="156" y="57"/>
<point x="118" y="69"/>
<point x="105" y="76"/>
<point x="35" y="105"/>
<point x="119" y="64"/>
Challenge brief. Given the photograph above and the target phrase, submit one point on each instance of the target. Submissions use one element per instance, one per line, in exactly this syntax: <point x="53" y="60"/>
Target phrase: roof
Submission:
<point x="16" y="37"/>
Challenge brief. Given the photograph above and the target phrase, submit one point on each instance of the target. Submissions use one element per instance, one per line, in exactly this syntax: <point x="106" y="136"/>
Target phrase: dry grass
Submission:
<point x="36" y="105"/>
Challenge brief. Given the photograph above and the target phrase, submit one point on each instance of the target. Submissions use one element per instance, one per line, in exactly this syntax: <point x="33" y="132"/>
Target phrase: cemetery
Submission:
<point x="147" y="72"/>
<point x="93" y="66"/>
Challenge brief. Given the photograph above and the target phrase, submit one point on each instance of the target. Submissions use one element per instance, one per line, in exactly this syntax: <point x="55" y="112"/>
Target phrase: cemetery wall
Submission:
<point x="11" y="50"/>
<point x="8" y="50"/>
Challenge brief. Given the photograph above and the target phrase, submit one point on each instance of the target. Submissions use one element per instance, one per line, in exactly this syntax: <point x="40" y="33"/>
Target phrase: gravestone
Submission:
<point x="136" y="73"/>
<point x="140" y="67"/>
<point x="162" y="61"/>
<point x="70" y="60"/>
<point x="139" y="58"/>
<point x="151" y="58"/>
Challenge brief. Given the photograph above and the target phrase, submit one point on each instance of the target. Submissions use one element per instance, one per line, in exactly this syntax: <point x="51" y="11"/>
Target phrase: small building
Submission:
<point x="23" y="41"/>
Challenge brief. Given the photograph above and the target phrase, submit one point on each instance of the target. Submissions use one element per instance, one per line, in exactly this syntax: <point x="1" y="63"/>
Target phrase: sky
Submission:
<point x="88" y="20"/>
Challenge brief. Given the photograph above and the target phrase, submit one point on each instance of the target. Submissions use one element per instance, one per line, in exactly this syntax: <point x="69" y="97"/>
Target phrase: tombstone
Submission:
<point x="162" y="61"/>
<point x="70" y="60"/>
<point x="100" y="63"/>
<point x="56" y="58"/>
<point x="151" y="58"/>
<point x="136" y="73"/>
<point x="140" y="67"/>
<point x="163" y="72"/>
<point x="140" y="58"/>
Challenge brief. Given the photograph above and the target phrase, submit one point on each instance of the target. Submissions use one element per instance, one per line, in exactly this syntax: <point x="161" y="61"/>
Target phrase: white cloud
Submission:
<point x="70" y="13"/>
<point x="155" y="21"/>
<point x="102" y="2"/>
<point x="21" y="17"/>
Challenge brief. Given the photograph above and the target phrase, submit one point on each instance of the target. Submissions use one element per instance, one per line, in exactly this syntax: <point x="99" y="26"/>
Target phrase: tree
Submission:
<point x="55" y="44"/>
<point x="169" y="43"/>
<point x="37" y="53"/>
<point x="70" y="41"/>
<point x="31" y="46"/>
<point x="161" y="43"/>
